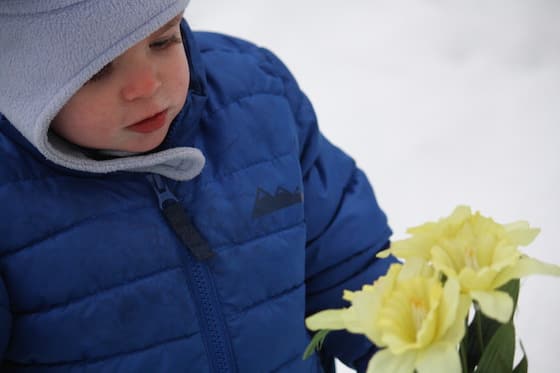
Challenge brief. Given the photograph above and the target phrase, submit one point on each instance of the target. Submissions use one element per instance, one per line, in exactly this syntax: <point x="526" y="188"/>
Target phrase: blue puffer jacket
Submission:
<point x="95" y="276"/>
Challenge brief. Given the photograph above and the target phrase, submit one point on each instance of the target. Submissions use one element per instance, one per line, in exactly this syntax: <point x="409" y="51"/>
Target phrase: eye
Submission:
<point x="105" y="71"/>
<point x="165" y="43"/>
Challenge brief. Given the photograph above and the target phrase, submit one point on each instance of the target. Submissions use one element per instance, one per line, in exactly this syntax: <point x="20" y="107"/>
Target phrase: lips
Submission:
<point x="150" y="124"/>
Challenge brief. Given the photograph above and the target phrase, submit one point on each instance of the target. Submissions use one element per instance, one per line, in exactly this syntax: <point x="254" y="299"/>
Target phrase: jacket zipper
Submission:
<point x="203" y="291"/>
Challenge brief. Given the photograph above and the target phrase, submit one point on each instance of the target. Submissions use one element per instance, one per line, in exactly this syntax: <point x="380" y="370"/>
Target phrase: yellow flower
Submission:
<point x="408" y="311"/>
<point x="482" y="254"/>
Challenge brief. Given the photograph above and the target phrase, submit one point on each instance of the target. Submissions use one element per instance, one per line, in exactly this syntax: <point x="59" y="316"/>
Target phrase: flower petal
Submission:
<point x="416" y="246"/>
<point x="439" y="358"/>
<point x="444" y="261"/>
<point x="524" y="267"/>
<point x="481" y="280"/>
<point x="427" y="229"/>
<point x="328" y="319"/>
<point x="386" y="362"/>
<point x="460" y="214"/>
<point x="397" y="343"/>
<point x="520" y="233"/>
<point x="348" y="295"/>
<point x="361" y="317"/>
<point x="457" y="329"/>
<point x="497" y="305"/>
<point x="426" y="334"/>
<point x="384" y="253"/>
<point x="504" y="254"/>
<point x="415" y="267"/>
<point x="448" y="306"/>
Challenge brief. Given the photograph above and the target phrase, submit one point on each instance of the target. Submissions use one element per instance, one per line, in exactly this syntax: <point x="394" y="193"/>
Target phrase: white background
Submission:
<point x="441" y="103"/>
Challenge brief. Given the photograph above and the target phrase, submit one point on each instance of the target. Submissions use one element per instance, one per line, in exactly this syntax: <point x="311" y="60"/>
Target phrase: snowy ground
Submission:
<point x="441" y="103"/>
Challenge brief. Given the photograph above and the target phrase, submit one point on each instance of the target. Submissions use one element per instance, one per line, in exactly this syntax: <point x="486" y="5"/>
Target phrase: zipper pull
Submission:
<point x="179" y="221"/>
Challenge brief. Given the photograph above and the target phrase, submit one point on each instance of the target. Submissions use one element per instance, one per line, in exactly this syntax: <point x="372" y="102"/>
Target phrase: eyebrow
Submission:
<point x="169" y="24"/>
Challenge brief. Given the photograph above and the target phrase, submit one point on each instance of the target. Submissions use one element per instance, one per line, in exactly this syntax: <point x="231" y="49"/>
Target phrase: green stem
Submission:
<point x="463" y="349"/>
<point x="479" y="330"/>
<point x="464" y="361"/>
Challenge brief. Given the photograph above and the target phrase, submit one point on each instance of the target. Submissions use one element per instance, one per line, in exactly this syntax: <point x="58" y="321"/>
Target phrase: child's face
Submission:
<point x="130" y="103"/>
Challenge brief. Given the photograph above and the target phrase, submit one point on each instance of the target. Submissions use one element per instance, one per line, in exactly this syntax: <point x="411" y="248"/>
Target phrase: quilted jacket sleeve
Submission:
<point x="5" y="320"/>
<point x="345" y="226"/>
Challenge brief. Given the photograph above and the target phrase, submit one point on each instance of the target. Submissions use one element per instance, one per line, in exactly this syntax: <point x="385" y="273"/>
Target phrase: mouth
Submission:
<point x="150" y="124"/>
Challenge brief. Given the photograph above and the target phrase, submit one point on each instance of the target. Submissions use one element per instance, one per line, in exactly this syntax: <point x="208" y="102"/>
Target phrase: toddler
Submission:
<point x="168" y="201"/>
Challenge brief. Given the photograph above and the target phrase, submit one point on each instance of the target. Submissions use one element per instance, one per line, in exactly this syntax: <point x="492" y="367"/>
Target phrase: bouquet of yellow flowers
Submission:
<point x="448" y="305"/>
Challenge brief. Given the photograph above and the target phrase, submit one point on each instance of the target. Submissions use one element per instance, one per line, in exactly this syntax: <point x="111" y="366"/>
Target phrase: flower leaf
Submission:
<point x="498" y="355"/>
<point x="488" y="327"/>
<point x="316" y="343"/>
<point x="512" y="288"/>
<point x="523" y="364"/>
<point x="485" y="326"/>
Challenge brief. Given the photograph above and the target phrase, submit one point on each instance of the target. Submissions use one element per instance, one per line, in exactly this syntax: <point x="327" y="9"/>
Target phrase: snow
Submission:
<point x="441" y="103"/>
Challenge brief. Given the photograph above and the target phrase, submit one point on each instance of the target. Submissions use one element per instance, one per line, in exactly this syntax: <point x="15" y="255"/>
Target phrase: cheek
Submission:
<point x="81" y="119"/>
<point x="179" y="78"/>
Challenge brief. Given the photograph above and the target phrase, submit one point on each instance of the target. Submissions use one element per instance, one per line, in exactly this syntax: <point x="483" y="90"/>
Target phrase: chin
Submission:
<point x="147" y="142"/>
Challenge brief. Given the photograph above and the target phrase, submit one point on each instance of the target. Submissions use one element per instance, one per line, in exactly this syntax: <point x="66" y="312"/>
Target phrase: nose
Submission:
<point x="141" y="82"/>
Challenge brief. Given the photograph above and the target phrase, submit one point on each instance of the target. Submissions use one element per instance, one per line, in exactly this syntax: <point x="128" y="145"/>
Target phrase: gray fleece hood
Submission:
<point x="49" y="49"/>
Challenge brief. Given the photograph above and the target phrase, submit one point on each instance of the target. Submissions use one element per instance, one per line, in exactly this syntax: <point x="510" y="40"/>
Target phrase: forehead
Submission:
<point x="173" y="22"/>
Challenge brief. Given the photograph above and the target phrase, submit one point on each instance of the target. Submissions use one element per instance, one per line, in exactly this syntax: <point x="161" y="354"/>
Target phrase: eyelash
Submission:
<point x="159" y="46"/>
<point x="162" y="44"/>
